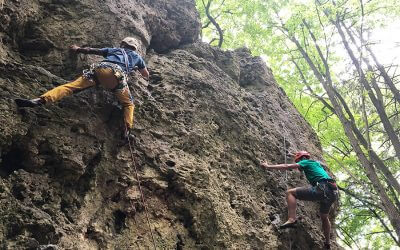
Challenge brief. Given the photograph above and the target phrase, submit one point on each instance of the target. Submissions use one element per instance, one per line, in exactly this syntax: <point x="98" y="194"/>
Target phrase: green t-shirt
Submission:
<point x="313" y="171"/>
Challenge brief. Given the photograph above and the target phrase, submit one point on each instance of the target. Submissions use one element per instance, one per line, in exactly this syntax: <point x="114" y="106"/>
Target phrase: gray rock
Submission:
<point x="202" y="124"/>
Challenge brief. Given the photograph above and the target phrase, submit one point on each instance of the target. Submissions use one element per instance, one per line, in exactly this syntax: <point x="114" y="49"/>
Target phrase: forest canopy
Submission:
<point x="338" y="63"/>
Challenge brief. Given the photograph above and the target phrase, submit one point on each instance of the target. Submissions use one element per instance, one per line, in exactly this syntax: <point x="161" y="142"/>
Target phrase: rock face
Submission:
<point x="203" y="122"/>
<point x="40" y="31"/>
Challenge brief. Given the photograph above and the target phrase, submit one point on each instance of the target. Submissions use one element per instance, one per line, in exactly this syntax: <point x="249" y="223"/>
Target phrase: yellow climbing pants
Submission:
<point x="106" y="79"/>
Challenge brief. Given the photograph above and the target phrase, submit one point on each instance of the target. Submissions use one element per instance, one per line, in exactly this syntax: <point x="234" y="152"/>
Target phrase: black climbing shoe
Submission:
<point x="327" y="245"/>
<point x="128" y="136"/>
<point x="22" y="103"/>
<point x="288" y="225"/>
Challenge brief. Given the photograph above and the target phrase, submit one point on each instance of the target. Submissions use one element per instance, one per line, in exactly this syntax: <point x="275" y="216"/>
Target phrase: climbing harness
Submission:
<point x="322" y="188"/>
<point x="117" y="70"/>
<point x="323" y="185"/>
<point x="141" y="192"/>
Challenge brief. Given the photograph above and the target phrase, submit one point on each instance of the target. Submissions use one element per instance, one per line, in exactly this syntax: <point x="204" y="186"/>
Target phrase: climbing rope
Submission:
<point x="141" y="192"/>
<point x="284" y="152"/>
<point x="286" y="173"/>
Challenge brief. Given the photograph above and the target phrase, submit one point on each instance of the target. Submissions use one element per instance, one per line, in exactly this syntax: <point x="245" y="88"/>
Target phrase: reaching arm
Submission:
<point x="145" y="73"/>
<point x="280" y="166"/>
<point x="93" y="51"/>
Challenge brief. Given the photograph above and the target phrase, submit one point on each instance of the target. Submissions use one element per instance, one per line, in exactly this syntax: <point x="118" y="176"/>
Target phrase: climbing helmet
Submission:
<point x="131" y="41"/>
<point x="300" y="154"/>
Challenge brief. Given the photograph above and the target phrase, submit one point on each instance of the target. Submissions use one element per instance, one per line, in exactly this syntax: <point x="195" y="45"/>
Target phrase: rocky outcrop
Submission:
<point x="203" y="122"/>
<point x="40" y="31"/>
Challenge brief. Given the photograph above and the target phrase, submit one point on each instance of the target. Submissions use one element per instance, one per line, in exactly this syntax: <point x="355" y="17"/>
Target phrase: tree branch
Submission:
<point x="212" y="20"/>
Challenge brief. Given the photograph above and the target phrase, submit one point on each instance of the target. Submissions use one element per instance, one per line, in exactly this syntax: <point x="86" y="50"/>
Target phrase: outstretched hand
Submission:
<point x="145" y="73"/>
<point x="264" y="164"/>
<point x="74" y="47"/>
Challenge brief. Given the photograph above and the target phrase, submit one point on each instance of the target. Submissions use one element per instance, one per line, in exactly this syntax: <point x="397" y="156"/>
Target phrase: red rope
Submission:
<point x="141" y="192"/>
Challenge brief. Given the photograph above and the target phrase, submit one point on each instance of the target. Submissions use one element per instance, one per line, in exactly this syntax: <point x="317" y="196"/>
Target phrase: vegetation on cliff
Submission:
<point x="337" y="62"/>
<point x="203" y="122"/>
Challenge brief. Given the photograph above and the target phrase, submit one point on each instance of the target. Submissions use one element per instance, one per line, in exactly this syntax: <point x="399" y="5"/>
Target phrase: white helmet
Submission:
<point x="132" y="42"/>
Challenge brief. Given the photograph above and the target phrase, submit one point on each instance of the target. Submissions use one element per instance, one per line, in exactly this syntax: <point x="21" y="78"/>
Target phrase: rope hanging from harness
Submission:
<point x="141" y="193"/>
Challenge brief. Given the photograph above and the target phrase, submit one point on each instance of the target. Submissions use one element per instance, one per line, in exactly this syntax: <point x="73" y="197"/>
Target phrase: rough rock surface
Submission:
<point x="40" y="31"/>
<point x="203" y="122"/>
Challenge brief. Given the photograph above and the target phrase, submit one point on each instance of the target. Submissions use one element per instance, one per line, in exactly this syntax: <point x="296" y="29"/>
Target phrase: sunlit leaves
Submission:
<point x="265" y="26"/>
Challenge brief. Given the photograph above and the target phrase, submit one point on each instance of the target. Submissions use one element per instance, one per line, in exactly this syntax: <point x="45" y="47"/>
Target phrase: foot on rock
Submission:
<point x="288" y="224"/>
<point x="128" y="136"/>
<point x="22" y="103"/>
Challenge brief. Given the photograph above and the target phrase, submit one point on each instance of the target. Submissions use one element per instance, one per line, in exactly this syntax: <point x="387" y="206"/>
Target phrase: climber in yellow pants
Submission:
<point x="111" y="74"/>
<point x="107" y="80"/>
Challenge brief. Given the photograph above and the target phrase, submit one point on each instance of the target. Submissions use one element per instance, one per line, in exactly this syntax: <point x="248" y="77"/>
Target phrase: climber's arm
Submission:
<point x="145" y="73"/>
<point x="93" y="51"/>
<point x="141" y="66"/>
<point x="280" y="166"/>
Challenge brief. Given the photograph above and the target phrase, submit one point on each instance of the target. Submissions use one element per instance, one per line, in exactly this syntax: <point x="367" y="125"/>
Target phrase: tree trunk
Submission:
<point x="378" y="105"/>
<point x="380" y="164"/>
<point x="389" y="208"/>
<point x="214" y="22"/>
<point x="374" y="156"/>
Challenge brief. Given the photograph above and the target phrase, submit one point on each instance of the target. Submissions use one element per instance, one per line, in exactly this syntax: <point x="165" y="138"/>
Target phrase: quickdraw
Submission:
<point x="326" y="184"/>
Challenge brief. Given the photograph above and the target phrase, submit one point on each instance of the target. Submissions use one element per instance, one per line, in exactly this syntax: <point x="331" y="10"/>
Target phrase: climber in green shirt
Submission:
<point x="323" y="189"/>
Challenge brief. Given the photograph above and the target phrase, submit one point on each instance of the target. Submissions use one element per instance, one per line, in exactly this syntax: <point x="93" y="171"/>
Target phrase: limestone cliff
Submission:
<point x="203" y="122"/>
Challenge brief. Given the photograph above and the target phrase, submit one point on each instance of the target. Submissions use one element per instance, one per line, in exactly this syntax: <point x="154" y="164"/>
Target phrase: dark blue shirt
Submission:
<point x="115" y="55"/>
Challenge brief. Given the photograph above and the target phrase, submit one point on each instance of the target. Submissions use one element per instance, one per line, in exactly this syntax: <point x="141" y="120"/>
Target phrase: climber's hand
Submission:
<point x="264" y="164"/>
<point x="145" y="73"/>
<point x="74" y="48"/>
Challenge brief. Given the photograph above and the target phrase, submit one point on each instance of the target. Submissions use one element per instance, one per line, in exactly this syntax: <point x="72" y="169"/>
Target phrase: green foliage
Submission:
<point x="266" y="26"/>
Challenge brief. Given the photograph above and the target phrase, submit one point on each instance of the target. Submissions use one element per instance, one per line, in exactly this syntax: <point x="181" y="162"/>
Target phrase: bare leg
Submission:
<point x="326" y="227"/>
<point x="291" y="202"/>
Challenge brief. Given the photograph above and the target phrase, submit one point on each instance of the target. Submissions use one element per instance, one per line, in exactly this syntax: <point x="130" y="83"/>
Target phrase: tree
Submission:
<point x="302" y="43"/>
<point x="207" y="7"/>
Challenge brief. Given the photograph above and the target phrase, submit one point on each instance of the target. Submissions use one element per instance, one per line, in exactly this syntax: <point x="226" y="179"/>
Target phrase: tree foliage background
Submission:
<point x="324" y="54"/>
